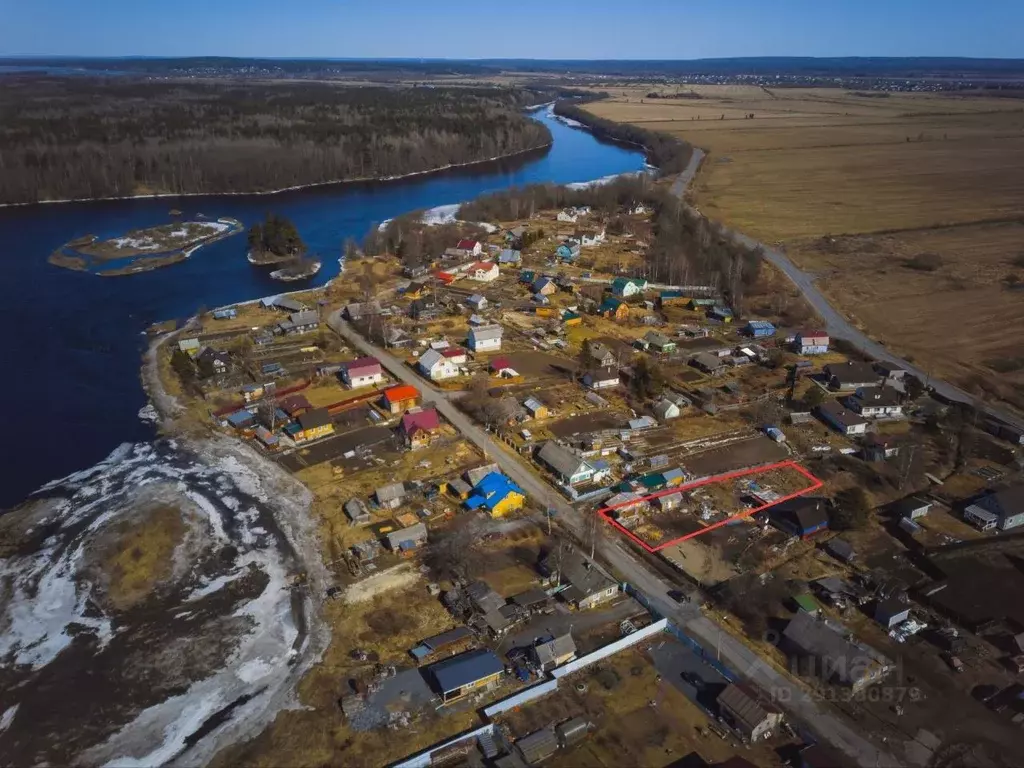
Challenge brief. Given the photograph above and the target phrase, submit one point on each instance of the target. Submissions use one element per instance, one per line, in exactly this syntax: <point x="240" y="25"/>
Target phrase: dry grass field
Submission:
<point x="886" y="179"/>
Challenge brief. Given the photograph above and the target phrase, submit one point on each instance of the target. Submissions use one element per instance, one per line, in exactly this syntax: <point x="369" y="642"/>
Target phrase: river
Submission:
<point x="71" y="390"/>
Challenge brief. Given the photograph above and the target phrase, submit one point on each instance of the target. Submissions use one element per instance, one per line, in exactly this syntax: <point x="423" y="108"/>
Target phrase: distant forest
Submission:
<point x="86" y="138"/>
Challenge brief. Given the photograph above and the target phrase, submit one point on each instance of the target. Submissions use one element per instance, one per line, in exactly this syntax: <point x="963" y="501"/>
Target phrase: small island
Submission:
<point x="142" y="250"/>
<point x="276" y="242"/>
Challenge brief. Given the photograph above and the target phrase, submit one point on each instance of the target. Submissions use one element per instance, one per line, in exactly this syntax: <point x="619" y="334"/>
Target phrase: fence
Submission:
<point x="610" y="649"/>
<point x="423" y="759"/>
<point x="530" y="694"/>
<point x="697" y="648"/>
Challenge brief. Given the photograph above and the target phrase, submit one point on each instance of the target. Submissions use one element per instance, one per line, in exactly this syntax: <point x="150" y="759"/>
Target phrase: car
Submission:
<point x="679" y="596"/>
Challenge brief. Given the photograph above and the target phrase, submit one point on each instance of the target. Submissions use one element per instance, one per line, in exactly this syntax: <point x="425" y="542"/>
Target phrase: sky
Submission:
<point x="538" y="29"/>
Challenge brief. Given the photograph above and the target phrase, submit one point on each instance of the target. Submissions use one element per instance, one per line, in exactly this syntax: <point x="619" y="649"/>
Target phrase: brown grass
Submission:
<point x="142" y="556"/>
<point x="815" y="162"/>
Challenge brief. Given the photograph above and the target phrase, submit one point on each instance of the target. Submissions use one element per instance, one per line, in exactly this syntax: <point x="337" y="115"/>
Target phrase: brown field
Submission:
<point x="891" y="178"/>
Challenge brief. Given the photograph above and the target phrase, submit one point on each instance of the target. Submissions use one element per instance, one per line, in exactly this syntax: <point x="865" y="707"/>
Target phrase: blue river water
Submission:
<point x="73" y="341"/>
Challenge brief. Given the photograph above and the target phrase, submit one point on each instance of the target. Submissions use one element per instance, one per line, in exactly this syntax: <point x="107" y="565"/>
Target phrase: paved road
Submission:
<point x="827" y="725"/>
<point x="837" y="325"/>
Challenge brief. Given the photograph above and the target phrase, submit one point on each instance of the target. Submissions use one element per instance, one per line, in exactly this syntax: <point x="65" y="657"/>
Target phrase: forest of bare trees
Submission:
<point x="86" y="138"/>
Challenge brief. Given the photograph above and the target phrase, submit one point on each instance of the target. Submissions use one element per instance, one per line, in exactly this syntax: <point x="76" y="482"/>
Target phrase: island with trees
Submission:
<point x="142" y="250"/>
<point x="87" y="138"/>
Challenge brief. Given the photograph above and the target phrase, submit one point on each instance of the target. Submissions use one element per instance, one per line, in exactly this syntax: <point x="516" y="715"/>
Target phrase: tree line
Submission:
<point x="668" y="153"/>
<point x="87" y="138"/>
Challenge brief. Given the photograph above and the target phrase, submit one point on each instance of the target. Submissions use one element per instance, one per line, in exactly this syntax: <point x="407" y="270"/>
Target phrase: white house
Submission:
<point x="568" y="466"/>
<point x="666" y="410"/>
<point x="812" y="342"/>
<point x="842" y="420"/>
<point x="364" y="372"/>
<point x="476" y="301"/>
<point x="470" y="247"/>
<point x="456" y="355"/>
<point x="484" y="272"/>
<point x="435" y="366"/>
<point x="486" y="338"/>
<point x="602" y="378"/>
<point x="876" y="401"/>
<point x="589" y="238"/>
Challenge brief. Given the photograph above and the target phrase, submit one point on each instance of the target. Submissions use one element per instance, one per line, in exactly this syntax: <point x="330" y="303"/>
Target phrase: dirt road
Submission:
<point x="828" y="725"/>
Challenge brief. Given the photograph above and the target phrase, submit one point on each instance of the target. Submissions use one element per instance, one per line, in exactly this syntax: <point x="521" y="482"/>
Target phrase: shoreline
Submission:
<point x="282" y="190"/>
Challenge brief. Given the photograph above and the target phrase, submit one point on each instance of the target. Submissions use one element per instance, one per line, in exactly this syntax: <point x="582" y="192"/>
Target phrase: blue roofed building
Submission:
<point x="241" y="419"/>
<point x="466" y="673"/>
<point x="497" y="494"/>
<point x="759" y="329"/>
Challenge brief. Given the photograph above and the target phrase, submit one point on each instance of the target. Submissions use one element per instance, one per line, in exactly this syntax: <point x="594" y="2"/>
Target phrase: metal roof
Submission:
<point x="413" y="534"/>
<point x="486" y="333"/>
<point x="306" y="317"/>
<point x="450" y="637"/>
<point x="556" y="648"/>
<point x="561" y="459"/>
<point x="458" y="671"/>
<point x="746" y="705"/>
<point x="390" y="492"/>
<point x="538" y="746"/>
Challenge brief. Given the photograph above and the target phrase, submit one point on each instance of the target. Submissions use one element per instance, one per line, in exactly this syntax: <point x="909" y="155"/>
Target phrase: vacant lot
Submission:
<point x="892" y="178"/>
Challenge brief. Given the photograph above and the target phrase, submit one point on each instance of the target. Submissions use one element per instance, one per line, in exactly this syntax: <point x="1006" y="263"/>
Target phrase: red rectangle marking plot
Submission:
<point x="814" y="485"/>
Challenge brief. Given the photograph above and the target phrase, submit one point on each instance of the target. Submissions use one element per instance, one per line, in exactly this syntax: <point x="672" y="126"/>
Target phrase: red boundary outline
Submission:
<point x="815" y="485"/>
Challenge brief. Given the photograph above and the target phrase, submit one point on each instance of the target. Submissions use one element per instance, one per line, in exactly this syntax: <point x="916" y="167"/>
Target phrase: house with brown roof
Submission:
<point x="839" y="418"/>
<point x="851" y="375"/>
<point x="418" y="426"/>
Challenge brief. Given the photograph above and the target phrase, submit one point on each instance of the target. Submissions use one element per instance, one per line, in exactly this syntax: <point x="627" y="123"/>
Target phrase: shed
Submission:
<point x="749" y="711"/>
<point x="538" y="746"/>
<point x="912" y="507"/>
<point x="841" y="550"/>
<point x="802" y="516"/>
<point x="531" y="599"/>
<point x="460" y="675"/>
<point x="891" y="612"/>
<point x="669" y="501"/>
<point x="807" y="604"/>
<point x="407" y="538"/>
<point x="241" y="419"/>
<point x="572" y="732"/>
<point x="555" y="652"/>
<point x="356" y="511"/>
<point x="390" y="496"/>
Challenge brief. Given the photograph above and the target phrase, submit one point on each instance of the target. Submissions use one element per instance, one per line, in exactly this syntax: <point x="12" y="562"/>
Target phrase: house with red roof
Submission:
<point x="483" y="271"/>
<point x="457" y="355"/>
<point x="502" y="366"/>
<point x="418" y="426"/>
<point x="401" y="398"/>
<point x="470" y="247"/>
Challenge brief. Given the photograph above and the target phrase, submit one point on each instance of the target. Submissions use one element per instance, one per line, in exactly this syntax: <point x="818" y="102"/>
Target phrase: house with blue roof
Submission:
<point x="498" y="494"/>
<point x="568" y="251"/>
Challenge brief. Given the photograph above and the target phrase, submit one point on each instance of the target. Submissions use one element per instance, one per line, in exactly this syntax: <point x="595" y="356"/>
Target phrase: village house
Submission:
<point x="405" y="540"/>
<point x="554" y="652"/>
<point x="390" y="496"/>
<point x="286" y="303"/>
<point x="436" y="367"/>
<point x="568" y="251"/>
<point x="759" y="329"/>
<point x="626" y="507"/>
<point x="497" y="494"/>
<point x="418" y="426"/>
<point x="602" y="378"/>
<point x="811" y="343"/>
<point x="241" y="419"/>
<point x="425" y="308"/>
<point x="486" y="338"/>
<point x="749" y="710"/>
<point x="589" y="584"/>
<point x="356" y="512"/>
<point x="356" y="311"/>
<point x="502" y="368"/>
<point x="624" y="287"/>
<point x="535" y="408"/>
<point x="477" y="302"/>
<point x="572" y="214"/>
<point x="843" y="421"/>
<point x="457" y="355"/>
<point x="669" y="501"/>
<point x="510" y="256"/>
<point x="613" y="309"/>
<point x="212" y="362"/>
<point x="891" y="612"/>
<point x="880" y="447"/>
<point x="830" y="655"/>
<point x="569" y="467"/>
<point x="514" y="237"/>
<point x="590" y="237"/>
<point x="545" y="286"/>
<point x="467" y="673"/>
<point x="294" y="404"/>
<point x="1000" y="509"/>
<point x="601" y="354"/>
<point x="803" y="516"/>
<point x="710" y="364"/>
<point x="484" y="272"/>
<point x="300" y="322"/>
<point x="851" y="376"/>
<point x="400" y="398"/>
<point x="364" y="372"/>
<point x="659" y="342"/>
<point x="665" y="410"/>
<point x="469" y="248"/>
<point x="190" y="347"/>
<point x="911" y="507"/>
<point x="312" y="425"/>
<point x="876" y="402"/>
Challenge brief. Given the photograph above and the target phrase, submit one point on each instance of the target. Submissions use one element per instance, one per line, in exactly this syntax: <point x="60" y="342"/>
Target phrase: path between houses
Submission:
<point x="835" y="323"/>
<point x="829" y="726"/>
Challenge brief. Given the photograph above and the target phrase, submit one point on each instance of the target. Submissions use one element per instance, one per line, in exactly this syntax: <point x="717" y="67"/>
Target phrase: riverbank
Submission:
<point x="297" y="187"/>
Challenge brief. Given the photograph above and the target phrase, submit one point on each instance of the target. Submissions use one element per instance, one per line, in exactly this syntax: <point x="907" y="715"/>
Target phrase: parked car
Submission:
<point x="679" y="596"/>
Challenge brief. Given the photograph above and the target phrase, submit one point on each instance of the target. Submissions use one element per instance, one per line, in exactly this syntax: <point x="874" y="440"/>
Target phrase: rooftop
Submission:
<point x="452" y="674"/>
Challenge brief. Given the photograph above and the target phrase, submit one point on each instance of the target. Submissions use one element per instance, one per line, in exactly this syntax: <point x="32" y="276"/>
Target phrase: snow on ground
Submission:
<point x="8" y="717"/>
<point x="186" y="231"/>
<point x="49" y="591"/>
<point x="603" y="180"/>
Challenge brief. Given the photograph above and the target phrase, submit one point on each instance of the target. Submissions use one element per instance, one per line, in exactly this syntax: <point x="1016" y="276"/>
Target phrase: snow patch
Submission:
<point x="148" y="414"/>
<point x="8" y="717"/>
